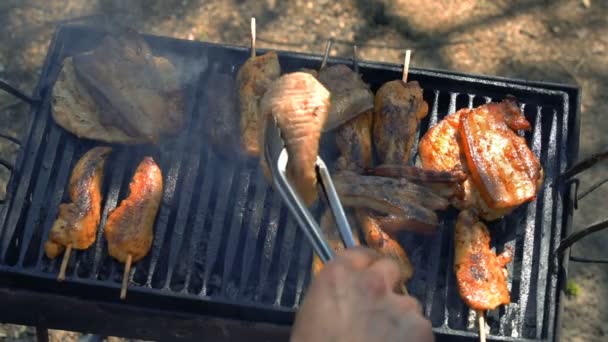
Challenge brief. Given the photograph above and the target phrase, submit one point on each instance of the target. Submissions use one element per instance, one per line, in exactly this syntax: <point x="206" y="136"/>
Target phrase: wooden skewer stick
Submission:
<point x="406" y="65"/>
<point x="64" y="262"/>
<point x="326" y="54"/>
<point x="125" y="277"/>
<point x="482" y="325"/>
<point x="252" y="37"/>
<point x="355" y="59"/>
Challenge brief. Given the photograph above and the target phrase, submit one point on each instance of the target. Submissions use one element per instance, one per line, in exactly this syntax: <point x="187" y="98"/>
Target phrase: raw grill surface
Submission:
<point x="225" y="246"/>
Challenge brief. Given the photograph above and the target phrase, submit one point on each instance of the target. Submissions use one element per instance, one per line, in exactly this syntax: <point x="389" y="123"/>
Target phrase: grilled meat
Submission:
<point x="377" y="239"/>
<point x="253" y="80"/>
<point x="354" y="140"/>
<point x="135" y="92"/>
<point x="502" y="166"/>
<point x="480" y="273"/>
<point x="398" y="109"/>
<point x="332" y="235"/>
<point x="442" y="149"/>
<point x="350" y="96"/>
<point x="129" y="229"/>
<point x="300" y="105"/>
<point x="418" y="175"/>
<point x="414" y="204"/>
<point x="77" y="221"/>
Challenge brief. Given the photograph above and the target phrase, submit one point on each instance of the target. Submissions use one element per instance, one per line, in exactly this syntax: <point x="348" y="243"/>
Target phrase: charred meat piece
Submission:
<point x="414" y="204"/>
<point x="253" y="80"/>
<point x="332" y="235"/>
<point x="441" y="150"/>
<point x="130" y="226"/>
<point x="354" y="140"/>
<point x="502" y="166"/>
<point x="300" y="105"/>
<point x="377" y="239"/>
<point x="77" y="221"/>
<point x="135" y="92"/>
<point x="480" y="273"/>
<point x="350" y="96"/>
<point x="418" y="175"/>
<point x="398" y="109"/>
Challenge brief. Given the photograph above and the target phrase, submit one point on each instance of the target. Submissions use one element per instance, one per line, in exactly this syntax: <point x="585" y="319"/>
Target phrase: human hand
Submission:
<point x="352" y="299"/>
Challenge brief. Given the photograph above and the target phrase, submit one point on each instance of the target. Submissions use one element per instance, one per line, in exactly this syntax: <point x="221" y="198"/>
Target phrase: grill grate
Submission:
<point x="223" y="241"/>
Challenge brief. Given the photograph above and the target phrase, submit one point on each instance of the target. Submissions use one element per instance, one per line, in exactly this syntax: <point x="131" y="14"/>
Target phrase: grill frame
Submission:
<point x="19" y="284"/>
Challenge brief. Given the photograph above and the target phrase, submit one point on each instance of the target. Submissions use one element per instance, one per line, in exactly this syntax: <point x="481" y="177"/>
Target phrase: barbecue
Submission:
<point x="76" y="224"/>
<point x="129" y="229"/>
<point x="225" y="247"/>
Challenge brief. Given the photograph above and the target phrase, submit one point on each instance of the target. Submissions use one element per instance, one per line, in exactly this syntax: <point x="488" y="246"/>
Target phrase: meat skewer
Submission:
<point x="253" y="79"/>
<point x="481" y="275"/>
<point x="77" y="222"/>
<point x="130" y="226"/>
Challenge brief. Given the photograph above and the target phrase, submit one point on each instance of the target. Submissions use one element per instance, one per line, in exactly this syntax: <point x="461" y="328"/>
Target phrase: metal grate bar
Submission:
<point x="506" y="319"/>
<point x="546" y="225"/>
<point x="269" y="241"/>
<point x="41" y="186"/>
<point x="285" y="256"/>
<point x="241" y="208"/>
<point x="471" y="98"/>
<point x="177" y="236"/>
<point x="219" y="215"/>
<point x="200" y="215"/>
<point x="303" y="273"/>
<point x="528" y="238"/>
<point x="434" y="108"/>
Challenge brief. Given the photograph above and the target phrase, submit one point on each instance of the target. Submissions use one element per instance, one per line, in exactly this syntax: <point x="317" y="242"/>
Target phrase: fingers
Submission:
<point x="387" y="270"/>
<point x="357" y="259"/>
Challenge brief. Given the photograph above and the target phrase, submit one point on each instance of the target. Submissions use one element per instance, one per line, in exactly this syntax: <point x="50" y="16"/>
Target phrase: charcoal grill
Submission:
<point x="228" y="262"/>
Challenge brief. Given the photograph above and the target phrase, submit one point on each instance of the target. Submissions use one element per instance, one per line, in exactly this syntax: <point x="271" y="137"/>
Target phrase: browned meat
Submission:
<point x="350" y="96"/>
<point x="414" y="204"/>
<point x="398" y="109"/>
<point x="130" y="226"/>
<point x="253" y="80"/>
<point x="300" y="105"/>
<point x="377" y="239"/>
<point x="480" y="274"/>
<point x="354" y="140"/>
<point x="77" y="221"/>
<point x="502" y="166"/>
<point x="418" y="175"/>
<point x="133" y="91"/>
<point x="441" y="150"/>
<point x="330" y="230"/>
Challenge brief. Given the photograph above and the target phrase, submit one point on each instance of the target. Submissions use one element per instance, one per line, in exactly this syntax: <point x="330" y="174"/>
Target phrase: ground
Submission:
<point x="561" y="41"/>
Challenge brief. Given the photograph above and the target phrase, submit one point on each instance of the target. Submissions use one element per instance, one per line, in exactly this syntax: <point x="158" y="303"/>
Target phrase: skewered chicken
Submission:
<point x="77" y="222"/>
<point x="300" y="105"/>
<point x="354" y="140"/>
<point x="377" y="239"/>
<point x="119" y="92"/>
<point x="350" y="96"/>
<point x="253" y="80"/>
<point x="480" y="273"/>
<point x="442" y="149"/>
<point x="129" y="229"/>
<point x="398" y="109"/>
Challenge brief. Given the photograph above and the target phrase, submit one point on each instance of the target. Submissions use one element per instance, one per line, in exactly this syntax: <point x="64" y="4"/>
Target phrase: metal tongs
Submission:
<point x="276" y="157"/>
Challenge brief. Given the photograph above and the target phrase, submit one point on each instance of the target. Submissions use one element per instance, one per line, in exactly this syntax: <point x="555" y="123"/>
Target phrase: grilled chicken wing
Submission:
<point x="480" y="273"/>
<point x="300" y="105"/>
<point x="77" y="221"/>
<point x="350" y="96"/>
<point x="129" y="229"/>
<point x="354" y="140"/>
<point x="253" y="80"/>
<point x="332" y="235"/>
<point x="135" y="91"/>
<point x="398" y="109"/>
<point x="502" y="166"/>
<point x="377" y="239"/>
